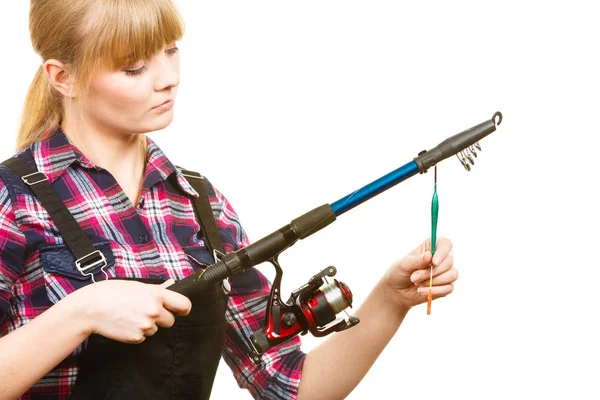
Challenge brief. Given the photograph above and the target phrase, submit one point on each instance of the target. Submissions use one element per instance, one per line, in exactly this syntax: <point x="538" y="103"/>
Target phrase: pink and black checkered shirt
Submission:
<point x="157" y="238"/>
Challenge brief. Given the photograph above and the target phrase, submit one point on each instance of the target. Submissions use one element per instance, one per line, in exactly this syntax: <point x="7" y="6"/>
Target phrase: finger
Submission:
<point x="167" y="283"/>
<point x="151" y="331"/>
<point x="176" y="302"/>
<point x="422" y="248"/>
<point x="166" y="319"/>
<point x="437" y="291"/>
<point x="440" y="242"/>
<point x="422" y="275"/>
<point x="412" y="263"/>
<point x="447" y="277"/>
<point x="137" y="341"/>
<point x="442" y="250"/>
<point x="445" y="264"/>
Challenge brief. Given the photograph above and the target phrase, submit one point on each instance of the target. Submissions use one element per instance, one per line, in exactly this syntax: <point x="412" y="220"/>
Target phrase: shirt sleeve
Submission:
<point x="278" y="376"/>
<point x="12" y="250"/>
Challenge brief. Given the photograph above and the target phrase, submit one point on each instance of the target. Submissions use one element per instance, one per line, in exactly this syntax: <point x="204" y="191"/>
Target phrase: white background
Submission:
<point x="289" y="105"/>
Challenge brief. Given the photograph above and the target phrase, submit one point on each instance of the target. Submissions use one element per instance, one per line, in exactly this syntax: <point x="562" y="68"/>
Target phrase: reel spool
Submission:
<point x="311" y="308"/>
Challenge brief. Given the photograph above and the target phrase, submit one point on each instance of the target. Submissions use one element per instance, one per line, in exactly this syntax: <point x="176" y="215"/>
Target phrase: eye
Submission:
<point x="135" y="72"/>
<point x="144" y="68"/>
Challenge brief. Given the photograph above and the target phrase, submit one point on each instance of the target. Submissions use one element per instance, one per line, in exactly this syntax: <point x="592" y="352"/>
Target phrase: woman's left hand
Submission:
<point x="407" y="280"/>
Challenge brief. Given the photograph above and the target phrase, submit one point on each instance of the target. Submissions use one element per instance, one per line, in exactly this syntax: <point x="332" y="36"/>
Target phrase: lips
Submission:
<point x="166" y="101"/>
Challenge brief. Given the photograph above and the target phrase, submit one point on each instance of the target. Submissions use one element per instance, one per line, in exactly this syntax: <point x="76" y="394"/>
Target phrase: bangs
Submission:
<point x="122" y="32"/>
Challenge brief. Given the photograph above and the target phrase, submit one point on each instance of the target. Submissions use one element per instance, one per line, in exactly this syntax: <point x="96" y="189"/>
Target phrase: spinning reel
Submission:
<point x="312" y="307"/>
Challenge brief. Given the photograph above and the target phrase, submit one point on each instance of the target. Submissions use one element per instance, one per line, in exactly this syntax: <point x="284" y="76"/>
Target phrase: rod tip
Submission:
<point x="497" y="115"/>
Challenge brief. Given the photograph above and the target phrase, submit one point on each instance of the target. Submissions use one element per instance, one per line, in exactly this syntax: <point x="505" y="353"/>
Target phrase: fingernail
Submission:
<point x="416" y="276"/>
<point x="422" y="290"/>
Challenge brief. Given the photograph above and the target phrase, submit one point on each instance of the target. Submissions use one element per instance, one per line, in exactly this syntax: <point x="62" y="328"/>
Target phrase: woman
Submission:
<point x="110" y="74"/>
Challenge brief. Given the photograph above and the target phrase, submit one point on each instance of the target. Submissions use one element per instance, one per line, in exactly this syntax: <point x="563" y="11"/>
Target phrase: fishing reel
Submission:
<point x="312" y="307"/>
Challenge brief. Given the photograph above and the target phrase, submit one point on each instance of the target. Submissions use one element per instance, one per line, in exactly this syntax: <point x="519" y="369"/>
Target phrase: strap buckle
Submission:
<point x="91" y="261"/>
<point x="192" y="176"/>
<point x="36" y="176"/>
<point x="186" y="173"/>
<point x="218" y="255"/>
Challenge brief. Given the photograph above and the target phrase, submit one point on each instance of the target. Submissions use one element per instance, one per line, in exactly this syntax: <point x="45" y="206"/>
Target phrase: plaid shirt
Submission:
<point x="158" y="238"/>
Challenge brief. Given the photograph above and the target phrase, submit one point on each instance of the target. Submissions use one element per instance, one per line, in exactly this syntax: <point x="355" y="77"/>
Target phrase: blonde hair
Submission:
<point x="86" y="35"/>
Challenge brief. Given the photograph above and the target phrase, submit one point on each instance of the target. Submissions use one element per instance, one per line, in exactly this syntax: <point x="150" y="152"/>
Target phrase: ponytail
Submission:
<point x="42" y="111"/>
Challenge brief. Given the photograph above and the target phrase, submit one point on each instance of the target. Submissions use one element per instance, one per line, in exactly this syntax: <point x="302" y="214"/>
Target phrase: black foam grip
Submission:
<point x="200" y="281"/>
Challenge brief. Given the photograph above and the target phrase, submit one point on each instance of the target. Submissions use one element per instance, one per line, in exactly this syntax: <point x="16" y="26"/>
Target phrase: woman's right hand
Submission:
<point x="129" y="311"/>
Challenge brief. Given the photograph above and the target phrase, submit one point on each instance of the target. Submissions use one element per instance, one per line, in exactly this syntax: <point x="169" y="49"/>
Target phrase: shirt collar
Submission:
<point x="54" y="154"/>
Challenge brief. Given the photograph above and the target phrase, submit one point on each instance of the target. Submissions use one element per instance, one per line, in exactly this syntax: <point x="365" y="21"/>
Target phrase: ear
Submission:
<point x="60" y="77"/>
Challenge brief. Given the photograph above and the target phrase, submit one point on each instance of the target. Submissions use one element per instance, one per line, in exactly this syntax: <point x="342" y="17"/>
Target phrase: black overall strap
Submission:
<point x="86" y="256"/>
<point x="204" y="211"/>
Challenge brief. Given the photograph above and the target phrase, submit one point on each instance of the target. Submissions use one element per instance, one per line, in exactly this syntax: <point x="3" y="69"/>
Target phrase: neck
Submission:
<point x="104" y="149"/>
<point x="119" y="153"/>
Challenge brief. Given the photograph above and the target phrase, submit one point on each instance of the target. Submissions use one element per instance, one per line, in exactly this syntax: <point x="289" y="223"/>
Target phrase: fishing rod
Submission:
<point x="314" y="307"/>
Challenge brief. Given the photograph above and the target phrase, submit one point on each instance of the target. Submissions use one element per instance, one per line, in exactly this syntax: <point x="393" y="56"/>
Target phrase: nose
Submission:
<point x="168" y="73"/>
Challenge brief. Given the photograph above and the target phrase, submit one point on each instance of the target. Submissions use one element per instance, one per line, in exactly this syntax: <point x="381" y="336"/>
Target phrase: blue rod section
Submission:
<point x="374" y="188"/>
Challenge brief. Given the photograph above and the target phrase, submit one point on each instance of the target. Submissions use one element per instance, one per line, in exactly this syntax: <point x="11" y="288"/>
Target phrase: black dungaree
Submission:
<point x="175" y="363"/>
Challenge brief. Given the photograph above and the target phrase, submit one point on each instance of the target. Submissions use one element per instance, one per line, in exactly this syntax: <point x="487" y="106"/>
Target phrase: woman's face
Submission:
<point x="128" y="100"/>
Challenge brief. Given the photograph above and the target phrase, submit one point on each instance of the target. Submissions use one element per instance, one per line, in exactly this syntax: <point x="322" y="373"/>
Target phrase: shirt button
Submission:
<point x="144" y="238"/>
